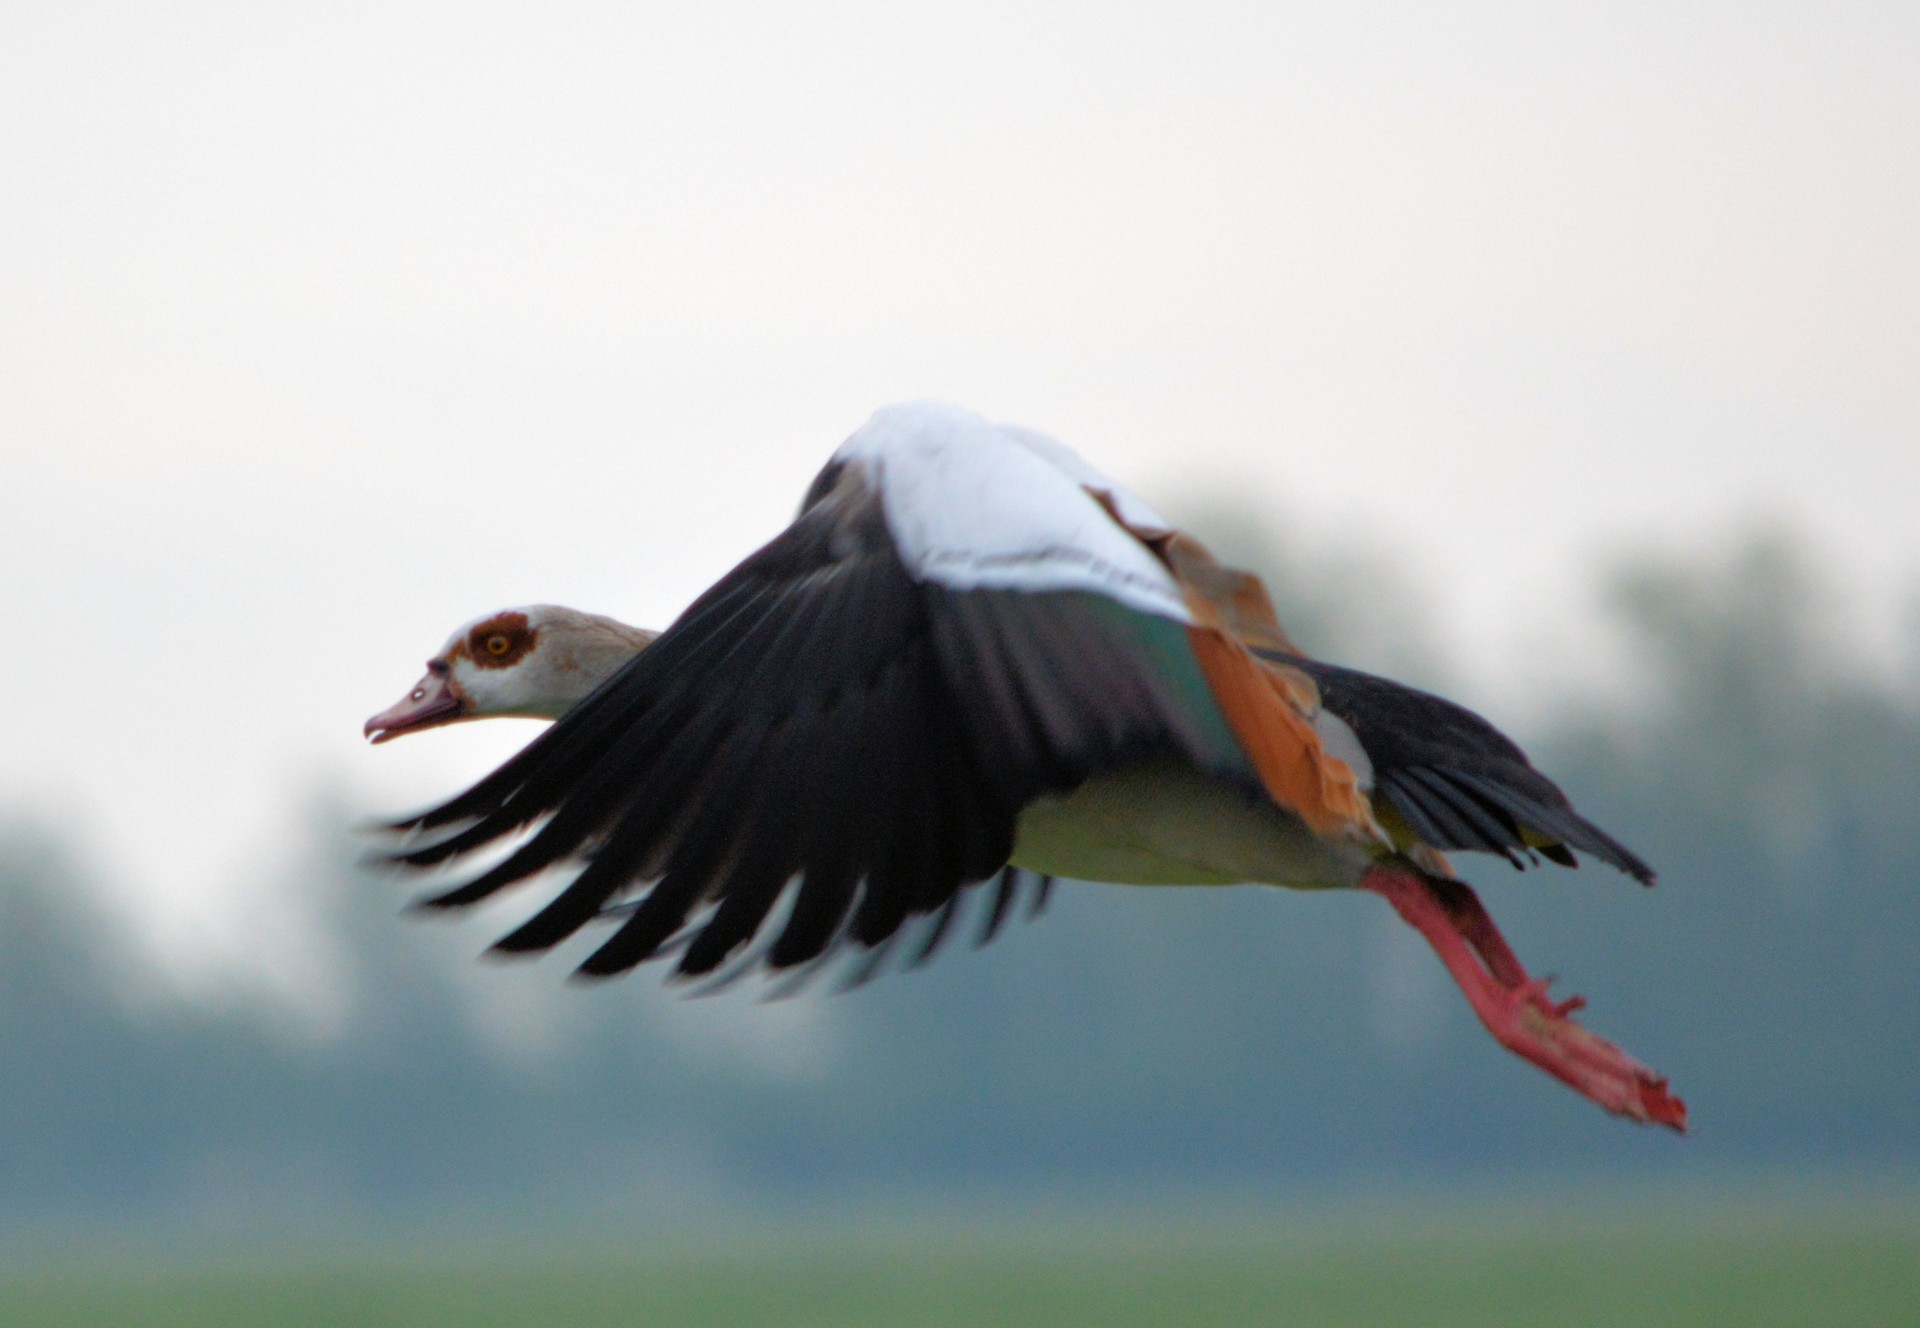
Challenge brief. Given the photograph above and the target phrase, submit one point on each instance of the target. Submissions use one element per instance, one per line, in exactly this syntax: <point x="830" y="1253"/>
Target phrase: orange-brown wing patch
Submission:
<point x="1238" y="598"/>
<point x="1235" y="598"/>
<point x="1277" y="734"/>
<point x="1270" y="707"/>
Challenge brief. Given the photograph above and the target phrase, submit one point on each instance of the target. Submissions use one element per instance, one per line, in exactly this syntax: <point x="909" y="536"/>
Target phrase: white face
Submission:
<point x="493" y="662"/>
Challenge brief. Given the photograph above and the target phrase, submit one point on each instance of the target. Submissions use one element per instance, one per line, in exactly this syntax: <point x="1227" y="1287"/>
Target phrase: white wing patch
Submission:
<point x="1340" y="741"/>
<point x="974" y="505"/>
<point x="1132" y="507"/>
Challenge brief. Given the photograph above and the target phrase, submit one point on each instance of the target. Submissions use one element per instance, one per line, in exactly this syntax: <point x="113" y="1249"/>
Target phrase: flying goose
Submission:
<point x="973" y="659"/>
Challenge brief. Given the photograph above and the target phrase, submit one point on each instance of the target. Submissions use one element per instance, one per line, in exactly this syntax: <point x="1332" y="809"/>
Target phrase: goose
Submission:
<point x="974" y="660"/>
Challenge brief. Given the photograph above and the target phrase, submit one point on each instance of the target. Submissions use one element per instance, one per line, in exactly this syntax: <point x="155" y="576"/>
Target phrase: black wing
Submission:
<point x="819" y="720"/>
<point x="1458" y="781"/>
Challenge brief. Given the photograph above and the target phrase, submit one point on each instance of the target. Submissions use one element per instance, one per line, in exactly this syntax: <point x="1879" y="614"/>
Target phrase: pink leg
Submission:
<point x="1514" y="1007"/>
<point x="1471" y="919"/>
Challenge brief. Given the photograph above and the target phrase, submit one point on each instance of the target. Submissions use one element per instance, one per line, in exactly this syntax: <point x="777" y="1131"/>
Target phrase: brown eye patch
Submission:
<point x="501" y="641"/>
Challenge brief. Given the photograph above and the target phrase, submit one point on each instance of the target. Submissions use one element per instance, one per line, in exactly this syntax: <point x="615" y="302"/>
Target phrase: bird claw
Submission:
<point x="1534" y="992"/>
<point x="1541" y="1031"/>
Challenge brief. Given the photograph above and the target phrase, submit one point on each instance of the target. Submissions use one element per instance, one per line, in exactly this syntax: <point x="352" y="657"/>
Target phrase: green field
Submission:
<point x="1815" y="1265"/>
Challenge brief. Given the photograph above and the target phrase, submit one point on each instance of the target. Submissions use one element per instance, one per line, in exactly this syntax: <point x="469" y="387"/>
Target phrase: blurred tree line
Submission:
<point x="1243" y="1040"/>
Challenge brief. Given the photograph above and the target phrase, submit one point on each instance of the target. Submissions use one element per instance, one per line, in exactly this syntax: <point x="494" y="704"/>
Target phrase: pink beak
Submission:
<point x="432" y="702"/>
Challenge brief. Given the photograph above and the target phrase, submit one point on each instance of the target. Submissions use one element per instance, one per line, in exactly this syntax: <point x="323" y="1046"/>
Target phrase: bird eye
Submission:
<point x="498" y="644"/>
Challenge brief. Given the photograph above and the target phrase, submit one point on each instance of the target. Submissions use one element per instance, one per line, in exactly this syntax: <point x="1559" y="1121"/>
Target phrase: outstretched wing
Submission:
<point x="1454" y="779"/>
<point x="848" y="724"/>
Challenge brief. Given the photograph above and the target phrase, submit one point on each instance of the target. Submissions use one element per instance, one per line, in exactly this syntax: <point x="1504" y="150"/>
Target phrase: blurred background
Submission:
<point x="1561" y="361"/>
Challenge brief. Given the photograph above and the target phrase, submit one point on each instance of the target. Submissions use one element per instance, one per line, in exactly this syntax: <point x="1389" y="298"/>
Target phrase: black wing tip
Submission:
<point x="601" y="966"/>
<point x="431" y="818"/>
<point x="524" y="941"/>
<point x="1615" y="856"/>
<point x="402" y="857"/>
<point x="1558" y="854"/>
<point x="498" y="953"/>
<point x="460" y="896"/>
<point x="1447" y="807"/>
<point x="377" y="859"/>
<point x="608" y="962"/>
<point x="708" y="970"/>
<point x="784" y="983"/>
<point x="376" y="826"/>
<point x="438" y="851"/>
<point x="1041" y="895"/>
<point x="1601" y="846"/>
<point x="1006" y="885"/>
<point x="430" y="904"/>
<point x="870" y="965"/>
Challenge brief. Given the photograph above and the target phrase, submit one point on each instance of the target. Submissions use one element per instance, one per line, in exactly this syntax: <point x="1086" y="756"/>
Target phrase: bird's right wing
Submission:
<point x="1453" y="779"/>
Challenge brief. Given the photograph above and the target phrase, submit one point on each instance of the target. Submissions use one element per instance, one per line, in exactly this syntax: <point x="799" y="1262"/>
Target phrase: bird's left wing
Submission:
<point x="851" y="720"/>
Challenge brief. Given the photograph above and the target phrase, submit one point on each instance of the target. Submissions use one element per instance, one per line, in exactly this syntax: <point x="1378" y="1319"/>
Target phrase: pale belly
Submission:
<point x="1164" y="823"/>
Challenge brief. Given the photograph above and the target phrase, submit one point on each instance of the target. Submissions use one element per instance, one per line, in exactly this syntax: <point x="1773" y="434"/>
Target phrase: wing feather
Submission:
<point x="1295" y="767"/>
<point x="1457" y="781"/>
<point x="824" y="728"/>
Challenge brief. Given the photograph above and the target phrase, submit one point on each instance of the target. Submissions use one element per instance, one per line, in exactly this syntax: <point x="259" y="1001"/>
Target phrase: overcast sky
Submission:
<point x="321" y="334"/>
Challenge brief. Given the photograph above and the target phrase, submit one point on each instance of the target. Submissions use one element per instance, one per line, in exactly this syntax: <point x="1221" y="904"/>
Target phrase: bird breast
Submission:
<point x="1162" y="822"/>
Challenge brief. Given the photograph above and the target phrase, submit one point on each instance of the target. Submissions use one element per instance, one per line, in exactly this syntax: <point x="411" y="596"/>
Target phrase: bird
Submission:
<point x="973" y="660"/>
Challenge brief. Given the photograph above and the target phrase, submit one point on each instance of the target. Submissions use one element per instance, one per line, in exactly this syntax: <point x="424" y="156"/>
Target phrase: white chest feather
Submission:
<point x="1164" y="823"/>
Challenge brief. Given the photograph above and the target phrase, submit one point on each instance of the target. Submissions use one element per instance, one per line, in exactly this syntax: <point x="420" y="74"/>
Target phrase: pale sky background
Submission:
<point x="322" y="333"/>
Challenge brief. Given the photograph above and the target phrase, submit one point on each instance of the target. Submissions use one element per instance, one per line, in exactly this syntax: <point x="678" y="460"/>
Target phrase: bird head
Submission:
<point x="537" y="662"/>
